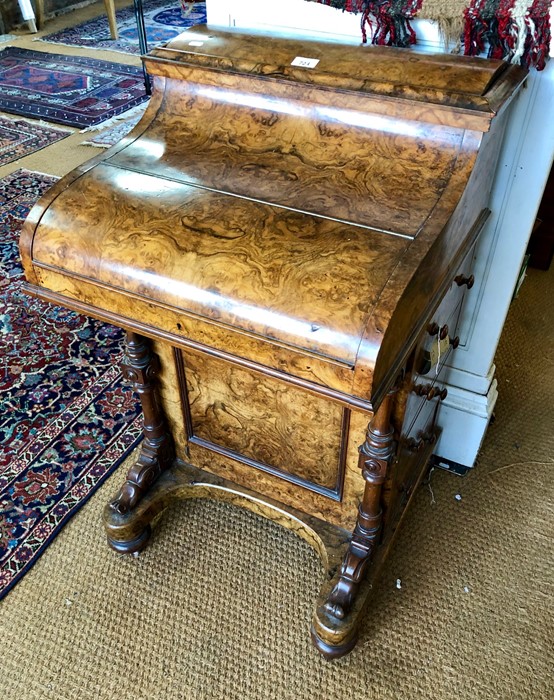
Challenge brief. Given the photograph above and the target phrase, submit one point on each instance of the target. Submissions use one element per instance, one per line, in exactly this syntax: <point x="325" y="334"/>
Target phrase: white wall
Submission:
<point x="301" y="18"/>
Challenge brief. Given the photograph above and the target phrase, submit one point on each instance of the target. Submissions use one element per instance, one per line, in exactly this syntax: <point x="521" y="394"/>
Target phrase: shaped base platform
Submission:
<point x="130" y="532"/>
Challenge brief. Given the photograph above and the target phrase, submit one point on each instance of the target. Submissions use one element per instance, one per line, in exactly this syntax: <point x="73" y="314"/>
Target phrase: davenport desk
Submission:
<point x="287" y="238"/>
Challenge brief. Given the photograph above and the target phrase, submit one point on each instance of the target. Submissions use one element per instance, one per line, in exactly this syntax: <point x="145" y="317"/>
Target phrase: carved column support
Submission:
<point x="140" y="366"/>
<point x="375" y="455"/>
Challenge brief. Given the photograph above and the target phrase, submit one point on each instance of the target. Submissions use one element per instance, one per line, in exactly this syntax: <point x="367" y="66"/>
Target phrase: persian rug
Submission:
<point x="515" y="30"/>
<point x="19" y="138"/>
<point x="163" y="20"/>
<point x="67" y="419"/>
<point x="70" y="90"/>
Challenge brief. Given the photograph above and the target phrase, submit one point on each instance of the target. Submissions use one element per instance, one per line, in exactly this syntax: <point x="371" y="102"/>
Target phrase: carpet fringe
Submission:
<point x="116" y="119"/>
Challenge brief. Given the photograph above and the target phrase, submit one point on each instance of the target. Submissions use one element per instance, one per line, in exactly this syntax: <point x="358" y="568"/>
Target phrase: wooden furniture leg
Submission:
<point x="334" y="629"/>
<point x="110" y="11"/>
<point x="39" y="15"/>
<point x="140" y="367"/>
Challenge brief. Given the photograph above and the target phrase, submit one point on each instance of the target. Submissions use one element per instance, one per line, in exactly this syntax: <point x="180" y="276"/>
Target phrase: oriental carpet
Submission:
<point x="67" y="418"/>
<point x="70" y="90"/>
<point x="19" y="138"/>
<point x="163" y="20"/>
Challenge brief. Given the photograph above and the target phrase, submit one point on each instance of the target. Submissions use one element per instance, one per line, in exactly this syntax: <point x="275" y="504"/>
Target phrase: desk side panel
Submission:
<point x="334" y="435"/>
<point x="440" y="253"/>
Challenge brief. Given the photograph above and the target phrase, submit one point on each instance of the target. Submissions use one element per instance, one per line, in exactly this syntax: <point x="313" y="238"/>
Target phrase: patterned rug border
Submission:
<point x="135" y="430"/>
<point x="67" y="113"/>
<point x="49" y="134"/>
<point x="59" y="454"/>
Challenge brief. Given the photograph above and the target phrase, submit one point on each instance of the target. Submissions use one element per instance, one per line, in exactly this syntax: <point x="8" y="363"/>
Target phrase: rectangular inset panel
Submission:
<point x="264" y="422"/>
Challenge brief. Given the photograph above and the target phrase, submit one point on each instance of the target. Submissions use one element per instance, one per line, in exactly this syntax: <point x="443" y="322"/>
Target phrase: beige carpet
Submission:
<point x="219" y="605"/>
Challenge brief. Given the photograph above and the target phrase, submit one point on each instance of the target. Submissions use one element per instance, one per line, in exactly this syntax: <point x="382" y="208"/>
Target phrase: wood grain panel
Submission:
<point x="300" y="369"/>
<point x="272" y="486"/>
<point x="269" y="271"/>
<point x="371" y="69"/>
<point x="170" y="396"/>
<point x="266" y="422"/>
<point x="269" y="148"/>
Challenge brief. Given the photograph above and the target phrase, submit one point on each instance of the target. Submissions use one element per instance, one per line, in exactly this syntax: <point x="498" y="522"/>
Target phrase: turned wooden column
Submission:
<point x="141" y="366"/>
<point x="374" y="460"/>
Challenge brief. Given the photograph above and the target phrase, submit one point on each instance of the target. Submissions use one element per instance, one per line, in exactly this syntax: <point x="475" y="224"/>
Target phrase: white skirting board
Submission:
<point x="464" y="419"/>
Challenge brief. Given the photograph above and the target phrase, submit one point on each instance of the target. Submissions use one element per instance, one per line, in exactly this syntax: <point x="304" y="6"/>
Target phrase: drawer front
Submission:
<point x="420" y="422"/>
<point x="462" y="281"/>
<point x="415" y="444"/>
<point x="435" y="346"/>
<point x="441" y="335"/>
<point x="420" y="418"/>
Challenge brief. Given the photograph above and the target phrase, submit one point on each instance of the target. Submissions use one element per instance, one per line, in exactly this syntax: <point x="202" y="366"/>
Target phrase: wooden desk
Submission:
<point x="288" y="243"/>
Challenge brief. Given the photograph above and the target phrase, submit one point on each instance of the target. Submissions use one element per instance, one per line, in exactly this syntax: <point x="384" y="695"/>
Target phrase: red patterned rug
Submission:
<point x="19" y="138"/>
<point x="70" y="90"/>
<point x="67" y="418"/>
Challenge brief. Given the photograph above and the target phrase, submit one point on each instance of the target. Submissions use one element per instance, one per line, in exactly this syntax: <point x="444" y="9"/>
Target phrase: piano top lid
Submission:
<point x="457" y="82"/>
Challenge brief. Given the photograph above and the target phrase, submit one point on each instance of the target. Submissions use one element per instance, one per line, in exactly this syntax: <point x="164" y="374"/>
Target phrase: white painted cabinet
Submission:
<point x="524" y="165"/>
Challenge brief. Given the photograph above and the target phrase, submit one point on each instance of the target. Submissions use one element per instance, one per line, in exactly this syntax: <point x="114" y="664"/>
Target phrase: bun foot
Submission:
<point x="137" y="544"/>
<point x="329" y="651"/>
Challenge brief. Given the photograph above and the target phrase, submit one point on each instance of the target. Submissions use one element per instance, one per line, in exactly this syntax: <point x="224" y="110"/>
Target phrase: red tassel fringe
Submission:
<point x="486" y="23"/>
<point x="499" y="28"/>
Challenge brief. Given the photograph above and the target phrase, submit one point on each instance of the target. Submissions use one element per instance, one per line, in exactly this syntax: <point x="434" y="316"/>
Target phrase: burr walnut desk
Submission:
<point x="286" y="236"/>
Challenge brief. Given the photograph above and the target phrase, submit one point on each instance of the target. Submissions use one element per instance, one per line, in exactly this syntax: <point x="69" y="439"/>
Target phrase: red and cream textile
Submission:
<point x="515" y="30"/>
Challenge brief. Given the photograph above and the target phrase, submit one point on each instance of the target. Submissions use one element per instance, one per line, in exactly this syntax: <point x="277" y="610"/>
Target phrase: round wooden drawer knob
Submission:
<point x="433" y="328"/>
<point x="462" y="279"/>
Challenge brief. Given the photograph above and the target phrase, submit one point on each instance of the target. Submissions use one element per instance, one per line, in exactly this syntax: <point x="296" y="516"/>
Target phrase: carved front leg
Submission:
<point x="375" y="455"/>
<point x="141" y="366"/>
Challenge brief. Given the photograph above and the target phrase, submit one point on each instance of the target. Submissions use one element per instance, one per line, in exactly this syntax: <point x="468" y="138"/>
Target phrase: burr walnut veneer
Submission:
<point x="287" y="238"/>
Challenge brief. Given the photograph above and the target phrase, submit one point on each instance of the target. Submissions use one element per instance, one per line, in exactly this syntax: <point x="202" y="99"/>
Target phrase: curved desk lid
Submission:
<point x="307" y="282"/>
<point x="458" y="82"/>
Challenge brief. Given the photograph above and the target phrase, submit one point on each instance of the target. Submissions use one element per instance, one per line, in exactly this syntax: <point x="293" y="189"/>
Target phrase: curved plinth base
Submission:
<point x="129" y="532"/>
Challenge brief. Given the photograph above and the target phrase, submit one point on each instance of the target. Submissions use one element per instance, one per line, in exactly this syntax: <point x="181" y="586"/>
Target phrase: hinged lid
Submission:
<point x="452" y="81"/>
